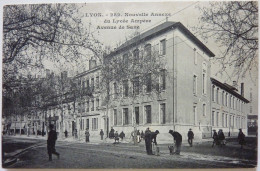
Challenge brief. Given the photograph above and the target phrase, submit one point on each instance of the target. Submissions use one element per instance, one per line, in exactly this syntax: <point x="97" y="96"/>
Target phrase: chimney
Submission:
<point x="242" y="89"/>
<point x="92" y="64"/>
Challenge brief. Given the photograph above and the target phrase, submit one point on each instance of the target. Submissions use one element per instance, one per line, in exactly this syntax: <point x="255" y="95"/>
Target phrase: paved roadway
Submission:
<point x="81" y="155"/>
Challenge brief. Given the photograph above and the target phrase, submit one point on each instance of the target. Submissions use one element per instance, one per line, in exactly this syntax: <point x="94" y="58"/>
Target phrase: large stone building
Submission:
<point x="187" y="96"/>
<point x="185" y="99"/>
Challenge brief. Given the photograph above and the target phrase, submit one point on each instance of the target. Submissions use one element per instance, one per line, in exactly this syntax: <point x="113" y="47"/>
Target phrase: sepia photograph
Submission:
<point x="129" y="85"/>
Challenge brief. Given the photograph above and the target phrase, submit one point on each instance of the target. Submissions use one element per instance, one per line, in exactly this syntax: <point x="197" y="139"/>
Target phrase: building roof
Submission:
<point x="159" y="30"/>
<point x="229" y="89"/>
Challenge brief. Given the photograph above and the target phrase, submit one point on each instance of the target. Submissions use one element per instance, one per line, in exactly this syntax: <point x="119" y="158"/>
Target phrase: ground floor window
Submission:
<point x="213" y="115"/>
<point x="94" y="123"/>
<point x="137" y="115"/>
<point x="148" y="113"/>
<point x="163" y="113"/>
<point x="125" y="113"/>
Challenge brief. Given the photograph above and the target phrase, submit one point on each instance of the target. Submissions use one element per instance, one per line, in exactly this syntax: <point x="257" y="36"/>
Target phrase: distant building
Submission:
<point x="228" y="108"/>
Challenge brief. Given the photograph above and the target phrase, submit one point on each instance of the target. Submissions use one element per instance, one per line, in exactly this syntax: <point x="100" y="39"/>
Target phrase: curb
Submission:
<point x="9" y="161"/>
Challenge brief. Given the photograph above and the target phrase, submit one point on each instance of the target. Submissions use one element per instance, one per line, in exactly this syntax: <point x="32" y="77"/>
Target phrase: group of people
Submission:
<point x="149" y="137"/>
<point x="218" y="138"/>
<point x="114" y="135"/>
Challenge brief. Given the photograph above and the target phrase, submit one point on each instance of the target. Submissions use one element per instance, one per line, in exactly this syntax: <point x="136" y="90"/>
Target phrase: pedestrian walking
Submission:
<point x="177" y="140"/>
<point x="111" y="133"/>
<point x="66" y="134"/>
<point x="52" y="137"/>
<point x="147" y="137"/>
<point x="190" y="137"/>
<point x="215" y="138"/>
<point x="142" y="135"/>
<point x="101" y="134"/>
<point x="122" y="135"/>
<point x="87" y="135"/>
<point x="221" y="137"/>
<point x="116" y="137"/>
<point x="241" y="138"/>
<point x="138" y="136"/>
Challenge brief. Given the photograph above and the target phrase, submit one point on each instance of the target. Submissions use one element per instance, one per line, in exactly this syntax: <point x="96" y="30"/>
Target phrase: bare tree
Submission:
<point x="234" y="25"/>
<point x="36" y="32"/>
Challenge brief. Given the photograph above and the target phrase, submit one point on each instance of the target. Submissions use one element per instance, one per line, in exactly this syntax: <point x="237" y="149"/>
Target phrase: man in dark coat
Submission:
<point x="215" y="138"/>
<point x="221" y="137"/>
<point x="101" y="134"/>
<point x="52" y="137"/>
<point x="122" y="135"/>
<point x="190" y="137"/>
<point x="148" y="145"/>
<point x="87" y="134"/>
<point x="241" y="138"/>
<point x="178" y="140"/>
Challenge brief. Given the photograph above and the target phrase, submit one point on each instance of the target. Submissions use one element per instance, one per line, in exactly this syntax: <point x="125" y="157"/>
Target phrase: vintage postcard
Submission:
<point x="129" y="85"/>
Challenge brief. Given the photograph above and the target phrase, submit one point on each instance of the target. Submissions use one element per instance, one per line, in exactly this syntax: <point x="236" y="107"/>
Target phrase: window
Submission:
<point x="230" y="124"/>
<point x="79" y="107"/>
<point x="223" y="98"/>
<point x="217" y="123"/>
<point x="125" y="113"/>
<point x="163" y="113"/>
<point x="137" y="115"/>
<point x="163" y="47"/>
<point x="125" y="60"/>
<point x="136" y="86"/>
<point x="204" y="109"/>
<point x="213" y="93"/>
<point x="148" y="51"/>
<point x="88" y="106"/>
<point x="125" y="88"/>
<point x="204" y="83"/>
<point x="97" y="82"/>
<point x="213" y="118"/>
<point x="83" y="107"/>
<point x="204" y="78"/>
<point x="87" y="123"/>
<point x="251" y="109"/>
<point x="194" y="84"/>
<point x="136" y="56"/>
<point x="226" y="99"/>
<point x="148" y="114"/>
<point x="233" y="103"/>
<point x="87" y="83"/>
<point x="226" y="124"/>
<point x="149" y="83"/>
<point x="97" y="103"/>
<point x="163" y="79"/>
<point x="115" y="116"/>
<point x="195" y="114"/>
<point x="115" y="90"/>
<point x="223" y="117"/>
<point x="92" y="103"/>
<point x="230" y="101"/>
<point x="217" y="99"/>
<point x="92" y="84"/>
<point x="94" y="123"/>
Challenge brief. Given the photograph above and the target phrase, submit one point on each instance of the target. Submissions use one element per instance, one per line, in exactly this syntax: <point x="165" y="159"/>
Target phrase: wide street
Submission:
<point x="124" y="155"/>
